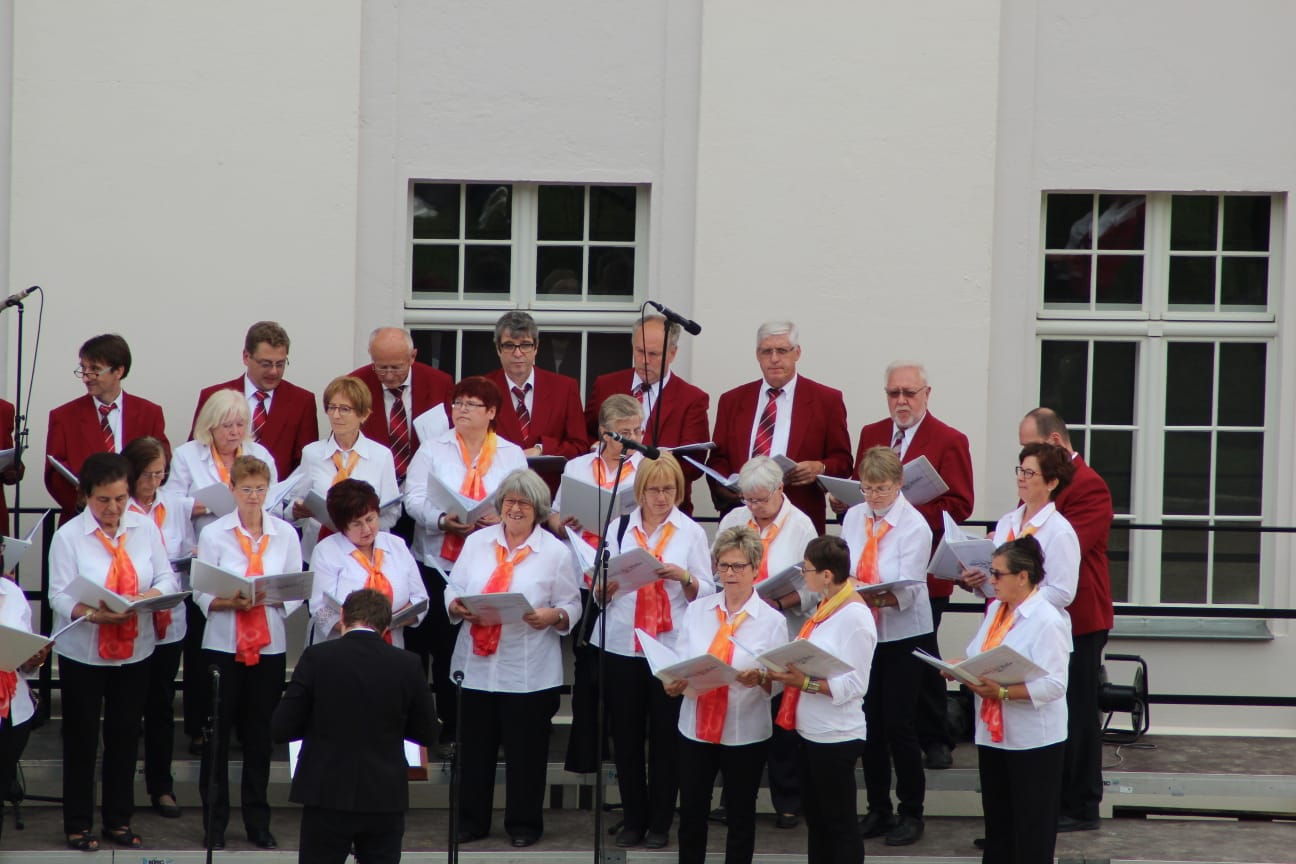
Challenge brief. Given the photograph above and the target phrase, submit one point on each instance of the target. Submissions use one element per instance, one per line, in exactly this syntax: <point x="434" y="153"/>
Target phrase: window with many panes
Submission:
<point x="1155" y="334"/>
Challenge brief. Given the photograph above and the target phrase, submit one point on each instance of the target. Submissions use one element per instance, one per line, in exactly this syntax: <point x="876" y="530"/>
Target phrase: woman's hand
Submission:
<point x="36" y="661"/>
<point x="880" y="599"/>
<point x="543" y="618"/>
<point x="752" y="677"/>
<point x="104" y="615"/>
<point x="300" y="510"/>
<point x="604" y="597"/>
<point x="458" y="609"/>
<point x="790" y="677"/>
<point x="200" y="509"/>
<point x="573" y="523"/>
<point x="451" y="525"/>
<point x="673" y="572"/>
<point x="972" y="578"/>
<point x="987" y="690"/>
<point x="675" y="688"/>
<point x="486" y="521"/>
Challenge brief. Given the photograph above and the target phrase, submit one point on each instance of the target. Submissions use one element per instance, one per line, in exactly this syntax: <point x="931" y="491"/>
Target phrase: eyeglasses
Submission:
<point x="870" y="491"/>
<point x="726" y="567"/>
<point x="252" y="491"/>
<point x="516" y="347"/>
<point x="767" y="353"/>
<point x="270" y="365"/>
<point x="1026" y="473"/>
<point x="999" y="574"/>
<point x="757" y="502"/>
<point x="152" y="475"/>
<point x="462" y="405"/>
<point x="343" y="410"/>
<point x="897" y="392"/>
<point x="667" y="491"/>
<point x="519" y="503"/>
<point x="391" y="370"/>
<point x="804" y="569"/>
<point x="634" y="434"/>
<point x="84" y="373"/>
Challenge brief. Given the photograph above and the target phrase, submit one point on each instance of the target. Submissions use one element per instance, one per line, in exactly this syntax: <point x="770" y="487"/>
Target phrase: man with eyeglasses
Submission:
<point x="542" y="410"/>
<point x="783" y="414"/>
<point x="283" y="414"/>
<point x="913" y="431"/>
<point x="104" y="420"/>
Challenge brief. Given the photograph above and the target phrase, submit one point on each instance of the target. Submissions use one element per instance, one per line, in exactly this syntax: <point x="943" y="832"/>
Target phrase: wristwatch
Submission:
<point x="813" y="686"/>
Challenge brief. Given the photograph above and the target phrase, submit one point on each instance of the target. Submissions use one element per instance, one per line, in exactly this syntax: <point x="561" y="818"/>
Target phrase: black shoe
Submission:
<point x="197" y="745"/>
<point x="1070" y="823"/>
<point x="166" y="806"/>
<point x="629" y="837"/>
<point x="907" y="830"/>
<point x="521" y="841"/>
<point x="787" y="821"/>
<point x="938" y="757"/>
<point x="720" y="815"/>
<point x="656" y="840"/>
<point x="214" y="841"/>
<point x="263" y="839"/>
<point x="876" y="823"/>
<point x="465" y="836"/>
<point x="978" y="842"/>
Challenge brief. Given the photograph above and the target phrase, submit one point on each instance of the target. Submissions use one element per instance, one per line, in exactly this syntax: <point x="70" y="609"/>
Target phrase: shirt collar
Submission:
<point x="892" y="516"/>
<point x="532" y="541"/>
<point x="787" y="390"/>
<point x="529" y="382"/>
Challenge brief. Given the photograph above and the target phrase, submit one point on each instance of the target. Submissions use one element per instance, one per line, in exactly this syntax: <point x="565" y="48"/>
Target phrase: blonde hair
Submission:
<point x="663" y="468"/>
<point x="881" y="465"/>
<point x="221" y="406"/>
<point x="354" y="391"/>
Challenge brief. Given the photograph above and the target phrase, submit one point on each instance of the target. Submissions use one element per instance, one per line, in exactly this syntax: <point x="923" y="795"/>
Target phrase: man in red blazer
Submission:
<point x="548" y="403"/>
<point x="1087" y="504"/>
<point x="283" y="414"/>
<point x="912" y="432"/>
<point x="683" y="407"/>
<point x="102" y="421"/>
<point x="782" y="414"/>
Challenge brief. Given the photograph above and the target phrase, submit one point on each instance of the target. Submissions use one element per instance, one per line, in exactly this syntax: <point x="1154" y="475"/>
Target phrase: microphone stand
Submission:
<point x="212" y="732"/>
<point x="452" y="847"/>
<point x="20" y="422"/>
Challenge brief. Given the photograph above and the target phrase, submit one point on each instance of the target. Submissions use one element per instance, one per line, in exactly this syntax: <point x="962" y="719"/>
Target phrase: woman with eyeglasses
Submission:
<point x="345" y="454"/>
<point x="637" y="706"/>
<point x="890" y="541"/>
<point x="360" y="555"/>
<point x="245" y="641"/>
<point x="512" y="672"/>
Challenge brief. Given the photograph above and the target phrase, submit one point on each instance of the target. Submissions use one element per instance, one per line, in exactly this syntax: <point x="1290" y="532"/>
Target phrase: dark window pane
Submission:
<point x="1244" y="282"/>
<point x="560" y="352"/>
<point x="1064" y="368"/>
<point x="562" y="213"/>
<point x="1118" y="563"/>
<point x="1192" y="281"/>
<point x="437" y="349"/>
<point x="1114" y="374"/>
<point x="479" y="354"/>
<point x="1193" y="222"/>
<point x="1066" y="279"/>
<point x="1242" y="384"/>
<point x="436" y="211"/>
<point x="1236" y="575"/>
<point x="1246" y="223"/>
<point x="490" y="212"/>
<point x="558" y="271"/>
<point x="607" y="352"/>
<point x="1183" y="566"/>
<point x="1120" y="279"/>
<point x="1120" y="221"/>
<point x="1190" y="368"/>
<point x="1112" y="455"/>
<point x="611" y="271"/>
<point x="1069" y="222"/>
<point x="612" y="214"/>
<point x="1186" y="486"/>
<point x="1079" y="439"/>
<point x="435" y="270"/>
<point x="486" y="269"/>
<point x="1238" y="471"/>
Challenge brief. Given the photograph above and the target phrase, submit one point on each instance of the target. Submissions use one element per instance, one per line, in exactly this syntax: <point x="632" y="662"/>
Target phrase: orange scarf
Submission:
<point x="375" y="578"/>
<point x="161" y="620"/>
<point x="8" y="687"/>
<point x="992" y="709"/>
<point x="343" y="471"/>
<point x="652" y="603"/>
<point x="714" y="704"/>
<point x="473" y="486"/>
<point x="117" y="641"/>
<point x="221" y="470"/>
<point x="486" y="637"/>
<point x="251" y="626"/>
<point x="786" y="718"/>
<point x="766" y="541"/>
<point x="866" y="571"/>
<point x="1030" y="529"/>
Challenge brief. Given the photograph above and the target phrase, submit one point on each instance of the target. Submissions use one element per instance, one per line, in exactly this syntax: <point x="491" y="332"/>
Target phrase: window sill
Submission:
<point x="1198" y="629"/>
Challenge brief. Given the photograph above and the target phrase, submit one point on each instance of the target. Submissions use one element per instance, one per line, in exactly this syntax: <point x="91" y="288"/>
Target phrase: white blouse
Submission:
<point x="192" y="469"/>
<point x="902" y="554"/>
<point x="338" y="573"/>
<point x="1061" y="549"/>
<point x="178" y="540"/>
<point x="849" y="635"/>
<point x="15" y="612"/>
<point x="376" y="467"/>
<point x="582" y="468"/>
<point x="787" y="548"/>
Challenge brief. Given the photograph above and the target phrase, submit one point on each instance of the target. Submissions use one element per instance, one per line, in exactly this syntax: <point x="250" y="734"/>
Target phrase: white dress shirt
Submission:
<point x="787" y="548"/>
<point x="440" y="457"/>
<point x="192" y="469"/>
<point x="908" y="435"/>
<point x="747" y="716"/>
<point x="527" y="660"/>
<point x="688" y="548"/>
<point x="649" y="399"/>
<point x="178" y="540"/>
<point x="582" y="468"/>
<point x="218" y="546"/>
<point x="528" y="390"/>
<point x="1061" y="549"/>
<point x="1041" y="633"/>
<point x="849" y="635"/>
<point x="338" y="573"/>
<point x="407" y="400"/>
<point x="15" y="612"/>
<point x="114" y="420"/>
<point x="782" y="416"/>
<point x="249" y="393"/>
<point x="430" y="424"/>
<point x="902" y="554"/>
<point x="77" y="552"/>
<point x="376" y="467"/>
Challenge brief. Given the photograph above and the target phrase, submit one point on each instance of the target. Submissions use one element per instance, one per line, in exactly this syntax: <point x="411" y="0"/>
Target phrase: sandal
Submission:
<point x="123" y="837"/>
<point x="82" y="842"/>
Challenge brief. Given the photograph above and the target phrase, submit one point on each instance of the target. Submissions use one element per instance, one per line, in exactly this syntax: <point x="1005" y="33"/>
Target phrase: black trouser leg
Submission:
<point x="930" y="716"/>
<point x="892" y="739"/>
<point x="438" y="635"/>
<point x="83" y="688"/>
<point x="1019" y="796"/>
<point x="636" y="701"/>
<point x="1082" y="784"/>
<point x="197" y="684"/>
<point x="525" y="724"/>
<point x="784" y="767"/>
<point x="699" y="764"/>
<point x="159" y="718"/>
<point x="264" y="685"/>
<point x="124" y="695"/>
<point x="828" y="802"/>
<point x="13" y="739"/>
<point x="478" y="757"/>
<point x="741" y="767"/>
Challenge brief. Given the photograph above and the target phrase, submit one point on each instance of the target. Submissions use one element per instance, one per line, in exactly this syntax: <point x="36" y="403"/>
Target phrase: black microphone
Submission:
<point x="17" y="299"/>
<point x="692" y="327"/>
<point x="648" y="451"/>
<point x="458" y="677"/>
<point x="214" y="671"/>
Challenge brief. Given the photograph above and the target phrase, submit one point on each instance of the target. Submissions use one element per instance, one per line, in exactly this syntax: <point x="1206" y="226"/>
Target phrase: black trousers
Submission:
<point x="521" y="722"/>
<point x="249" y="695"/>
<point x="932" y="726"/>
<point x="119" y="692"/>
<point x="197" y="683"/>
<point x="639" y="713"/>
<point x="433" y="641"/>
<point x="741" y="767"/>
<point x="1019" y="797"/>
<point x="889" y="709"/>
<point x="327" y="836"/>
<point x="784" y="765"/>
<point x="828" y="801"/>
<point x="582" y="742"/>
<point x="13" y="740"/>
<point x="159" y="718"/>
<point x="1082" y="787"/>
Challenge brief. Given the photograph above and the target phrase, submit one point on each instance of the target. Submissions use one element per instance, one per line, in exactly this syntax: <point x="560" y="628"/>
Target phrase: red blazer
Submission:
<point x="291" y="425"/>
<point x="6" y="442"/>
<point x="818" y="432"/>
<point x="1087" y="505"/>
<point x="557" y="421"/>
<point x="683" y="421"/>
<point x="947" y="450"/>
<point x="74" y="434"/>
<point x="428" y="388"/>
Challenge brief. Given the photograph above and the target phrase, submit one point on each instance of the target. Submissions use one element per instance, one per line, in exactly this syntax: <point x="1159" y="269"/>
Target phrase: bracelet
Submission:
<point x="779" y="601"/>
<point x="813" y="686"/>
<point x="687" y="579"/>
<point x="441" y="522"/>
<point x="805" y="683"/>
<point x="764" y="675"/>
<point x="1003" y="694"/>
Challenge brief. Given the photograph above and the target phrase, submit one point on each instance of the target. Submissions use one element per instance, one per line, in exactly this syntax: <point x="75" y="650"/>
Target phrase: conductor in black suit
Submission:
<point x="352" y="702"/>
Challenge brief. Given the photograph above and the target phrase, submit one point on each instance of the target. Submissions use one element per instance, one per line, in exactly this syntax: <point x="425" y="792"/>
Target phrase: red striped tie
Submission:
<point x="523" y="415"/>
<point x="765" y="431"/>
<point x="259" y="416"/>
<point x="110" y="443"/>
<point x="398" y="433"/>
<point x="898" y="442"/>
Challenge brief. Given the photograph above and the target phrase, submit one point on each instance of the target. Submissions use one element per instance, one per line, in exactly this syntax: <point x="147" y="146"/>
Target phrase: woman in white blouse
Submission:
<point x="245" y="640"/>
<point x="346" y="453"/>
<point x="103" y="663"/>
<point x="360" y="556"/>
<point x="726" y="730"/>
<point x="636" y="704"/>
<point x="16" y="705"/>
<point x="511" y="672"/>
<point x="1021" y="729"/>
<point x="890" y="541"/>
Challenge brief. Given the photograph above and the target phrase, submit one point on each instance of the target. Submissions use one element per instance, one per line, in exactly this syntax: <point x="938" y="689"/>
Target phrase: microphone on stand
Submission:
<point x="17" y="299"/>
<point x="692" y="327"/>
<point x="647" y="450"/>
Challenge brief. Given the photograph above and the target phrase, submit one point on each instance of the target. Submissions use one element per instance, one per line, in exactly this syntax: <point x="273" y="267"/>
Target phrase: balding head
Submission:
<point x="392" y="351"/>
<point x="1044" y="426"/>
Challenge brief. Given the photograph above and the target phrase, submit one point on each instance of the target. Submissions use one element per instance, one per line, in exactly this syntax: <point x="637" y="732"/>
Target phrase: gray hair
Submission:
<point x="519" y="322"/>
<point x="778" y="328"/>
<point x="759" y="473"/>
<point x="896" y="365"/>
<point x="524" y="483"/>
<point x="672" y="329"/>
<point x="221" y="406"/>
<point x="744" y="540"/>
<point x="383" y="331"/>
<point x="619" y="406"/>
